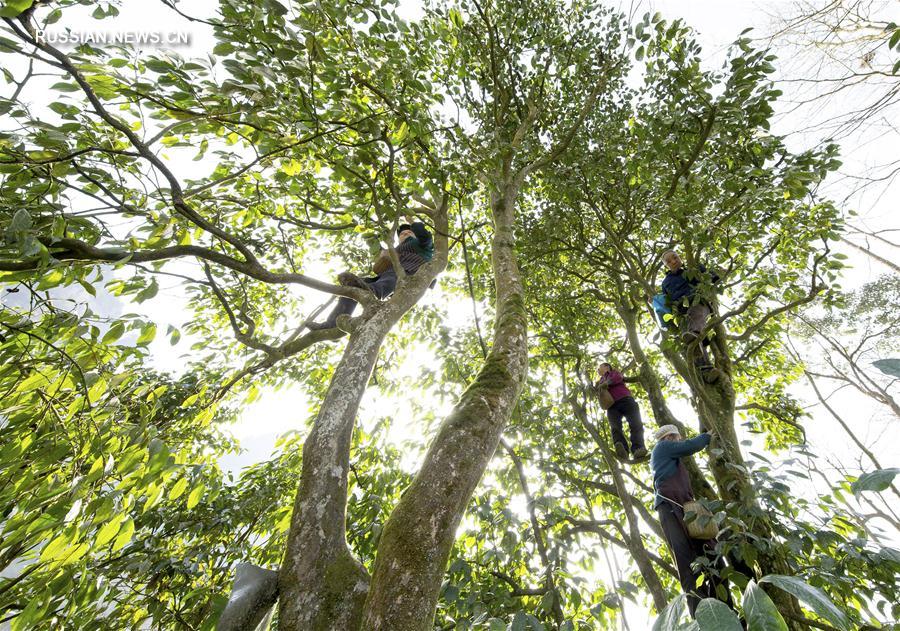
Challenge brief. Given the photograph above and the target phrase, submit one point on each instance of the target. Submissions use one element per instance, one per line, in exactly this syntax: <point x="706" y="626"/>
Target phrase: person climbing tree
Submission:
<point x="680" y="287"/>
<point x="672" y="488"/>
<point x="415" y="248"/>
<point x="625" y="406"/>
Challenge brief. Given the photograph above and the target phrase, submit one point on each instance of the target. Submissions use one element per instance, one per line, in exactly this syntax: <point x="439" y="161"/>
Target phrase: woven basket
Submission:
<point x="700" y="523"/>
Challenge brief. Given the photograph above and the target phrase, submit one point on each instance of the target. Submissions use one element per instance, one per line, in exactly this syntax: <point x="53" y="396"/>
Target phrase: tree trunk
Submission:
<point x="321" y="584"/>
<point x="633" y="540"/>
<point x="661" y="412"/>
<point x="417" y="538"/>
<point x="715" y="405"/>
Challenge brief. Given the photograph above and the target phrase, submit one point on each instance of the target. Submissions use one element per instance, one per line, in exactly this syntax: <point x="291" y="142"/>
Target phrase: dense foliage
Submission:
<point x="241" y="180"/>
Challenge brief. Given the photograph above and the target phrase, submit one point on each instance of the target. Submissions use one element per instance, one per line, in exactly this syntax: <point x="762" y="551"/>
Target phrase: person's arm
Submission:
<point x="713" y="277"/>
<point x="666" y="287"/>
<point x="422" y="233"/>
<point x="676" y="289"/>
<point x="612" y="378"/>
<point x="682" y="448"/>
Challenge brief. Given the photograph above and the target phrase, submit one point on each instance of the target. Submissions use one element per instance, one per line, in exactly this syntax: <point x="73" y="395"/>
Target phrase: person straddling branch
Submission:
<point x="625" y="406"/>
<point x="680" y="287"/>
<point x="415" y="248"/>
<point x="672" y="491"/>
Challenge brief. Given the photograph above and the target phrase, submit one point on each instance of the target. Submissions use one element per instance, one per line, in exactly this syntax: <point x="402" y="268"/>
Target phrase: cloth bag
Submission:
<point x="604" y="397"/>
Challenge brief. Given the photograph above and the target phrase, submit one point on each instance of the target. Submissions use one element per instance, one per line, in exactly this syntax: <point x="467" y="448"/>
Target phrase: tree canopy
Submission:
<point x="555" y="150"/>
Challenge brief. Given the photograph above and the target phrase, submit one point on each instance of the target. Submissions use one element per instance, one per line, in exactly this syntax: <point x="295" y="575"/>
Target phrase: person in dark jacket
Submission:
<point x="624" y="406"/>
<point x="415" y="248"/>
<point x="673" y="490"/>
<point x="680" y="287"/>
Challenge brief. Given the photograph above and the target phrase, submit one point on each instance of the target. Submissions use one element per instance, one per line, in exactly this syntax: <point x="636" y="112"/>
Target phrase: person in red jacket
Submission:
<point x="624" y="406"/>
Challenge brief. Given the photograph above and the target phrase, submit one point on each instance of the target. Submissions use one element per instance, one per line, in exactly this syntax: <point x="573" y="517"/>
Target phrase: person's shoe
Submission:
<point x="351" y="280"/>
<point x="621" y="451"/>
<point x="640" y="453"/>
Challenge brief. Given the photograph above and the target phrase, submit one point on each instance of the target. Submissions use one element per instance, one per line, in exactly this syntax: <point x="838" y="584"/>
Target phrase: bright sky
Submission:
<point x="718" y="24"/>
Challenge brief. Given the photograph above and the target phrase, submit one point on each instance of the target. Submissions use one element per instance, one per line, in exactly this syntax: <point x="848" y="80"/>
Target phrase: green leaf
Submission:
<point x="148" y="332"/>
<point x="759" y="610"/>
<point x="114" y="333"/>
<point x="62" y="86"/>
<point x="110" y="530"/>
<point x="21" y="221"/>
<point x="878" y="480"/>
<point x="125" y="534"/>
<point x="179" y="488"/>
<point x="292" y="167"/>
<point x="714" y="615"/>
<point x="275" y="7"/>
<point x="57" y="548"/>
<point x="153" y="494"/>
<point x="194" y="497"/>
<point x="888" y="366"/>
<point x="811" y="596"/>
<point x="669" y="618"/>
<point x="455" y="18"/>
<point x="895" y="38"/>
<point x="13" y="8"/>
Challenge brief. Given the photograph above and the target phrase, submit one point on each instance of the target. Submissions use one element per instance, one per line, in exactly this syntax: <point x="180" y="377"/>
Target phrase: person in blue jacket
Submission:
<point x="680" y="288"/>
<point x="416" y="247"/>
<point x="672" y="490"/>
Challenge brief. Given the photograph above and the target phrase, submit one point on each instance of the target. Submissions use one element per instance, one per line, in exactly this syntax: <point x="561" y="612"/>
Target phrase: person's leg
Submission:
<point x="671" y="518"/>
<point x="710" y="587"/>
<point x="348" y="305"/>
<point x="695" y="320"/>
<point x="614" y="414"/>
<point x="384" y="284"/>
<point x="697" y="315"/>
<point x="635" y="426"/>
<point x="344" y="305"/>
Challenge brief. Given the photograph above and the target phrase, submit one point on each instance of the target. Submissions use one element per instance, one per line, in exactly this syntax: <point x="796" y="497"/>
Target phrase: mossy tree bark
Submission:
<point x="321" y="584"/>
<point x="416" y="542"/>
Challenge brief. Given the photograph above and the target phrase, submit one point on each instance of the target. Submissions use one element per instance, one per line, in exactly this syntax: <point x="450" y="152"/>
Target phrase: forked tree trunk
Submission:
<point x="415" y="545"/>
<point x="321" y="584"/>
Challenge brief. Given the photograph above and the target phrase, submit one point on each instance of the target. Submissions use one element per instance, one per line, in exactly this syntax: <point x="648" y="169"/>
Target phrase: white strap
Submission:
<point x="670" y="500"/>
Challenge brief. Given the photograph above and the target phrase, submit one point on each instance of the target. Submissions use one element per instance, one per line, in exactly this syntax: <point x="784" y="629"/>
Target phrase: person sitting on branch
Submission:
<point x="625" y="406"/>
<point x="415" y="248"/>
<point x="680" y="287"/>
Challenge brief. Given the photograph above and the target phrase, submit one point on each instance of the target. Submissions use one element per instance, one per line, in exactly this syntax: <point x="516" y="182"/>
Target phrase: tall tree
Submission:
<point x="550" y="182"/>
